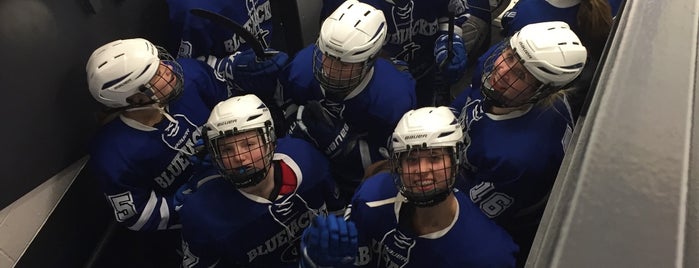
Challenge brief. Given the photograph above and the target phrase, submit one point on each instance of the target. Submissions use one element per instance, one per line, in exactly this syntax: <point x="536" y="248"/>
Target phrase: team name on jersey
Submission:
<point x="260" y="14"/>
<point x="421" y="26"/>
<point x="181" y="161"/>
<point x="284" y="237"/>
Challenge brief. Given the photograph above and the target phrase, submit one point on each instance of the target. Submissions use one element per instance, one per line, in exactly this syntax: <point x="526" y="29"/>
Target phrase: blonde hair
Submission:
<point x="549" y="100"/>
<point x="595" y="22"/>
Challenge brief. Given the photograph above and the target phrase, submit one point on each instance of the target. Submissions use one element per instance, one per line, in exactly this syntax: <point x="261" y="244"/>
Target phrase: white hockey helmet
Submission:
<point x="550" y="51"/>
<point x="234" y="116"/>
<point x="535" y="62"/>
<point x="353" y="33"/>
<point x="424" y="129"/>
<point x="123" y="68"/>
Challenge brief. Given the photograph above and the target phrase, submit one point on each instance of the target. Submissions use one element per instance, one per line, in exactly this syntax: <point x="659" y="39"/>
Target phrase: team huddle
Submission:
<point x="352" y="151"/>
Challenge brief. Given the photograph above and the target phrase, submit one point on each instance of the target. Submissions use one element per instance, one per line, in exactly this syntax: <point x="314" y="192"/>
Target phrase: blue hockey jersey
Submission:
<point x="374" y="111"/>
<point x="472" y="240"/>
<point x="140" y="167"/>
<point x="223" y="225"/>
<point x="201" y="37"/>
<point x="512" y="160"/>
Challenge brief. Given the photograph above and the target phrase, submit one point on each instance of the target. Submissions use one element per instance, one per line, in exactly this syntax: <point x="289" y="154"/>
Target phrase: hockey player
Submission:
<point x="348" y="92"/>
<point x="519" y="123"/>
<point x="200" y="37"/>
<point x="412" y="216"/>
<point x="141" y="157"/>
<point x="250" y="208"/>
<point x="591" y="20"/>
<point x="418" y="33"/>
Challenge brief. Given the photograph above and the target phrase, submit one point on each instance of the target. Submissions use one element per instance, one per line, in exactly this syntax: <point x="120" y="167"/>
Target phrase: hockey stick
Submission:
<point x="244" y="34"/>
<point x="442" y="91"/>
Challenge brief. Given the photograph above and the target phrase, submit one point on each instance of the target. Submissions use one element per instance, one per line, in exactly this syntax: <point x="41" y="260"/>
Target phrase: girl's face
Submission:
<point x="163" y="82"/>
<point x="511" y="80"/>
<point x="243" y="152"/>
<point x="341" y="73"/>
<point x="426" y="170"/>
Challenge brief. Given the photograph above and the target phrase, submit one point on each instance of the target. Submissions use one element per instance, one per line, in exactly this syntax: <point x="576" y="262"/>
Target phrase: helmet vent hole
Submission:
<point x="562" y="43"/>
<point x="253" y="117"/>
<point x="117" y="56"/>
<point x="367" y="13"/>
<point x="546" y="71"/>
<point x="144" y="70"/>
<point x="357" y="23"/>
<point x="100" y="66"/>
<point x="115" y="81"/>
<point x="444" y="134"/>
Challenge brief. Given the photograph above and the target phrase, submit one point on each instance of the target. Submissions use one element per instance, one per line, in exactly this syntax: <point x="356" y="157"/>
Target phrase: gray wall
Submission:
<point x="47" y="111"/>
<point x="626" y="195"/>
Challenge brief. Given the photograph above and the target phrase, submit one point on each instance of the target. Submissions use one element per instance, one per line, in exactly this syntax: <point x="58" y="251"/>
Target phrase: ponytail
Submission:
<point x="595" y="22"/>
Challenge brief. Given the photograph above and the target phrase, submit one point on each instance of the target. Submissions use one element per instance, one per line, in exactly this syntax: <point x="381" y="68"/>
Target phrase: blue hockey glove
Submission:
<point x="453" y="69"/>
<point x="323" y="125"/>
<point x="328" y="241"/>
<point x="201" y="157"/>
<point x="245" y="71"/>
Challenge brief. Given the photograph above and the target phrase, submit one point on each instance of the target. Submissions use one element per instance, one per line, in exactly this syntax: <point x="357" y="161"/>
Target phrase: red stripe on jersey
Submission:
<point x="289" y="180"/>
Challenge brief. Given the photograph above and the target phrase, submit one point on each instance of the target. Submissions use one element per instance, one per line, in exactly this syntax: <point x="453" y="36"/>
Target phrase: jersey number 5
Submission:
<point x="123" y="206"/>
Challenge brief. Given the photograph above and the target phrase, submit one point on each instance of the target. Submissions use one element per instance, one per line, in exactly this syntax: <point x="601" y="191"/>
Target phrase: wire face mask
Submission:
<point x="425" y="176"/>
<point x="243" y="158"/>
<point x="338" y="78"/>
<point x="167" y="83"/>
<point x="506" y="81"/>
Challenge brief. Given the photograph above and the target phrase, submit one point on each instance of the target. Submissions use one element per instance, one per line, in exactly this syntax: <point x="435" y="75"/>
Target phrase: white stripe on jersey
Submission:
<point x="379" y="203"/>
<point x="146" y="213"/>
<point x="164" y="215"/>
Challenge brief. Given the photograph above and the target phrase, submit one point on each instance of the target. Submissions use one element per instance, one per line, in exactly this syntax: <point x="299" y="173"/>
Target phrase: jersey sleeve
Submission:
<point x="135" y="204"/>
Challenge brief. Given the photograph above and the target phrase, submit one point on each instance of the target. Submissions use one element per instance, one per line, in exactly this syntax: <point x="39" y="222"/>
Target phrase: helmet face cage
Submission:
<point x="338" y="78"/>
<point x="507" y="82"/>
<point x="167" y="82"/>
<point x="425" y="176"/>
<point x="243" y="157"/>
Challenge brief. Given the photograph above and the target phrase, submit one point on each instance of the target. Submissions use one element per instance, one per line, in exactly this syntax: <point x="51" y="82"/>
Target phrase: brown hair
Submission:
<point x="376" y="168"/>
<point x="595" y="22"/>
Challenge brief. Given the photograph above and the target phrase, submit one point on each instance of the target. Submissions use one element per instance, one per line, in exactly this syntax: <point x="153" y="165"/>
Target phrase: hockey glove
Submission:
<point x="452" y="69"/>
<point x="245" y="71"/>
<point x="323" y="126"/>
<point x="328" y="241"/>
<point x="200" y="158"/>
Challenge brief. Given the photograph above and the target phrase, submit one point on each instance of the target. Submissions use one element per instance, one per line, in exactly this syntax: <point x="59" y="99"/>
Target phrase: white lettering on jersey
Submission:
<point x="123" y="205"/>
<point x="185" y="50"/>
<point x="188" y="259"/>
<point x="395" y="249"/>
<point x="184" y="144"/>
<point x="493" y="203"/>
<point x="284" y="237"/>
<point x="257" y="16"/>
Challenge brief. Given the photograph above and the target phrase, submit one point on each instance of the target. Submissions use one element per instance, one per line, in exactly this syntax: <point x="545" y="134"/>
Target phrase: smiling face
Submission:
<point x="425" y="171"/>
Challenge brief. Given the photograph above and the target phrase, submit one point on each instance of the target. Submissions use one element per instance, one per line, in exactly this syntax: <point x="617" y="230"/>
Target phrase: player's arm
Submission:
<point x="136" y="205"/>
